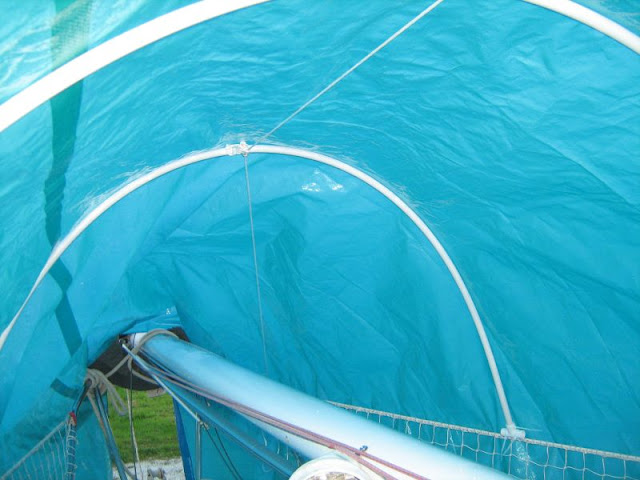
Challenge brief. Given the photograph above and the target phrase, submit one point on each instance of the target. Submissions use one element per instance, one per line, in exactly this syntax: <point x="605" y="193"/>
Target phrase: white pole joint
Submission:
<point x="513" y="432"/>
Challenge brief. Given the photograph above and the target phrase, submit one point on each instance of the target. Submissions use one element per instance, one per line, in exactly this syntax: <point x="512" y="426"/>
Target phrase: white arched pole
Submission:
<point x="592" y="19"/>
<point x="511" y="429"/>
<point x="114" y="49"/>
<point x="243" y="149"/>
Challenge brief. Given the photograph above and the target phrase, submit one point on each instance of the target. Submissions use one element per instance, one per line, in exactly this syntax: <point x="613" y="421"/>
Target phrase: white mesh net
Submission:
<point x="52" y="458"/>
<point x="527" y="459"/>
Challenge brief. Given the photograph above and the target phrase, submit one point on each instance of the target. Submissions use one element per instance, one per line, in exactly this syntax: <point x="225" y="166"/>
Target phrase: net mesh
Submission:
<point x="52" y="458"/>
<point x="527" y="459"/>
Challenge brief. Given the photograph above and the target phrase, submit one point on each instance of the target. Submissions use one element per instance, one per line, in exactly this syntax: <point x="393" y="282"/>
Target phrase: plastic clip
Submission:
<point x="238" y="149"/>
<point x="512" y="432"/>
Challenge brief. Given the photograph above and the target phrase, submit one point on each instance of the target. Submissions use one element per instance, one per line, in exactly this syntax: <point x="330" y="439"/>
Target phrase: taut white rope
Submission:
<point x="350" y="70"/>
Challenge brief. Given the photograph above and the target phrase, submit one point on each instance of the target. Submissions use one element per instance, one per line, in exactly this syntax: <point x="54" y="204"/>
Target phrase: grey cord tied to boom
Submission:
<point x="128" y="360"/>
<point x="100" y="382"/>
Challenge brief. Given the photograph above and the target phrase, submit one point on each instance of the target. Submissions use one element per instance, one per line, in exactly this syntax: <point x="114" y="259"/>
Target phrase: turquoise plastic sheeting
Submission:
<point x="513" y="132"/>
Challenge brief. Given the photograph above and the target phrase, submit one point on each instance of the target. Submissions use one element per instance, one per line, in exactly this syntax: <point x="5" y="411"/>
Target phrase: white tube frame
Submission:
<point x="232" y="150"/>
<point x="592" y="19"/>
<point x="114" y="49"/>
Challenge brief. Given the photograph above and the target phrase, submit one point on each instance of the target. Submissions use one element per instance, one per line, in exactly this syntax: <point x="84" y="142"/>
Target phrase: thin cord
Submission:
<point x="348" y="72"/>
<point x="255" y="264"/>
<point x="226" y="453"/>
<point x="134" y="444"/>
<point x="225" y="456"/>
<point x="98" y="381"/>
<point x="128" y="360"/>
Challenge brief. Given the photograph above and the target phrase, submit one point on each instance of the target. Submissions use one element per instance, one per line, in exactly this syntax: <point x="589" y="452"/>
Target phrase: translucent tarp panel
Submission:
<point x="40" y="35"/>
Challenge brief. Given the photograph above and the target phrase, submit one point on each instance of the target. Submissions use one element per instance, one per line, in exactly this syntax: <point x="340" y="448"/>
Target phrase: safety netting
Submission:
<point x="428" y="207"/>
<point x="524" y="458"/>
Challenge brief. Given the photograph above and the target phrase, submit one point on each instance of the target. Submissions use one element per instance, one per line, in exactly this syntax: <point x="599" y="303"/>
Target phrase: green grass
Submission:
<point x="155" y="427"/>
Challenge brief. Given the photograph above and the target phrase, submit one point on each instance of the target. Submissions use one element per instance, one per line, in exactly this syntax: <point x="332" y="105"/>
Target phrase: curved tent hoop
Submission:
<point x="166" y="25"/>
<point x="592" y="19"/>
<point x="244" y="149"/>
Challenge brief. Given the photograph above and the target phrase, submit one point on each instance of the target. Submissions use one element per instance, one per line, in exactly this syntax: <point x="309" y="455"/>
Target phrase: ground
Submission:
<point x="154" y="424"/>
<point x="172" y="469"/>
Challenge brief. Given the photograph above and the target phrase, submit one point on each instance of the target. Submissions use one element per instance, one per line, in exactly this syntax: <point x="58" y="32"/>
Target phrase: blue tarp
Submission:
<point x="512" y="131"/>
